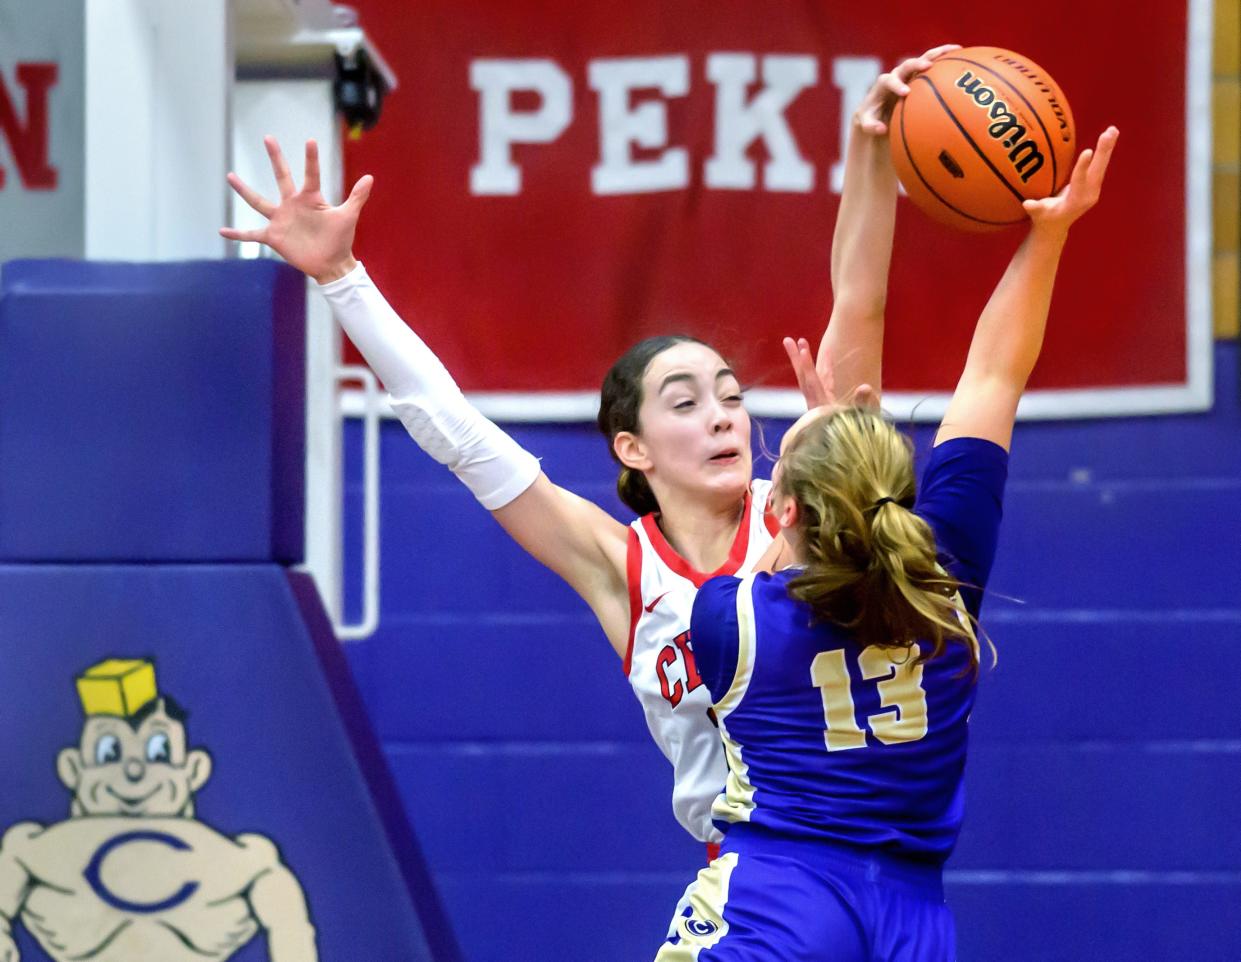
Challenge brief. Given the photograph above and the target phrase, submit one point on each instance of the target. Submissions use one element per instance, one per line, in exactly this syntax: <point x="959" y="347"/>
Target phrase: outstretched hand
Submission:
<point x="875" y="110"/>
<point x="815" y="381"/>
<point x="1081" y="192"/>
<point x="304" y="228"/>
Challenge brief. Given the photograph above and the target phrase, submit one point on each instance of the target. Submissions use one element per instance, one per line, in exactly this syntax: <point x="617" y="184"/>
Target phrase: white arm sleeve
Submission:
<point x="426" y="398"/>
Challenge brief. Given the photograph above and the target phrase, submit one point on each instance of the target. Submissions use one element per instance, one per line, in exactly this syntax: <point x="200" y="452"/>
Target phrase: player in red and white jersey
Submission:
<point x="659" y="660"/>
<point x="671" y="409"/>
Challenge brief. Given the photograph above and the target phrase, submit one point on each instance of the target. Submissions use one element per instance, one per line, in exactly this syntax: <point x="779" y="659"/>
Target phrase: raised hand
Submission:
<point x="304" y="228"/>
<point x="1057" y="213"/>
<point x="815" y="381"/>
<point x="876" y="108"/>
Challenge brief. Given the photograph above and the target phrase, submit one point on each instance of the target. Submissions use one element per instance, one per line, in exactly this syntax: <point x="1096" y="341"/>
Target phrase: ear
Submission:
<point x="199" y="764"/>
<point x="69" y="768"/>
<point x="787" y="512"/>
<point x="631" y="451"/>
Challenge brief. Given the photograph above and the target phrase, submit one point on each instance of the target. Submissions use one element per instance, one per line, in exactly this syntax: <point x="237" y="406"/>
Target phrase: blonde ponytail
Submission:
<point x="871" y="563"/>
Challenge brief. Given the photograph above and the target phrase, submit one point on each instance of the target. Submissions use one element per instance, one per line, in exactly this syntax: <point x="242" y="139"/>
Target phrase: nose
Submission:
<point x="721" y="418"/>
<point x="134" y="769"/>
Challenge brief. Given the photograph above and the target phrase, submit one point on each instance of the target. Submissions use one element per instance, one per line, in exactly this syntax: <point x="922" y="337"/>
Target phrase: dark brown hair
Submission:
<point x="620" y="399"/>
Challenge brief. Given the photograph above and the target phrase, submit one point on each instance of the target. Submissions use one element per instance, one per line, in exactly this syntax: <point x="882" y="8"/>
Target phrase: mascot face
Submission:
<point x="123" y="768"/>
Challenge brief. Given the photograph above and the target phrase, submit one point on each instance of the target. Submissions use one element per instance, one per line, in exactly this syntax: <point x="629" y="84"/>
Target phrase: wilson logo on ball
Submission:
<point x="1005" y="127"/>
<point x="982" y="130"/>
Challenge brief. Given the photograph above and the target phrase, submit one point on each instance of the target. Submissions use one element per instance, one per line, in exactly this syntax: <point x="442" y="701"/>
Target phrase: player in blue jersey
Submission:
<point x="843" y="683"/>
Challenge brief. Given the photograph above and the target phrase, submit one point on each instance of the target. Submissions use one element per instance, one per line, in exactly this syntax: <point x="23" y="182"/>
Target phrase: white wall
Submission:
<point x="159" y="77"/>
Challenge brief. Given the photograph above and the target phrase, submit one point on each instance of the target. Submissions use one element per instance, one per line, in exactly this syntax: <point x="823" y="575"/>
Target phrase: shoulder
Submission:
<point x="965" y="456"/>
<point x="715" y="610"/>
<point x="718" y="591"/>
<point x="260" y="849"/>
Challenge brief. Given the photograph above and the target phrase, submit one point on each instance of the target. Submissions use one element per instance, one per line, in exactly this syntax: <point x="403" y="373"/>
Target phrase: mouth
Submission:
<point x="727" y="456"/>
<point x="131" y="802"/>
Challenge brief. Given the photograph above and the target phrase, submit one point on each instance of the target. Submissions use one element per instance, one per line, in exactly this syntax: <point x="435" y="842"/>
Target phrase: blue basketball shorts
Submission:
<point x="770" y="898"/>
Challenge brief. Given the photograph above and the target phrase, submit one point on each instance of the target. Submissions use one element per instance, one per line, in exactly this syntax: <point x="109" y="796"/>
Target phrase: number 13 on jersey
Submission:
<point x="900" y="692"/>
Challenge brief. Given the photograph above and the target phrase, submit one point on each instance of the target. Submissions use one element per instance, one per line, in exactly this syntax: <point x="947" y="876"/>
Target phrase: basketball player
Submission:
<point x="843" y="683"/>
<point x="673" y="414"/>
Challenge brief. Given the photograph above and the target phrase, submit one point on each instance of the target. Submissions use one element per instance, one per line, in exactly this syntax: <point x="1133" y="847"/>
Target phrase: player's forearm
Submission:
<point x="1009" y="335"/>
<point x="395" y="353"/>
<point x="861" y="257"/>
<point x="862" y="241"/>
<point x="426" y="398"/>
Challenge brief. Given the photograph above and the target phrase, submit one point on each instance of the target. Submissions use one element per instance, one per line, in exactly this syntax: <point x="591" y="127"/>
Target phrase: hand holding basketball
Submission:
<point x="875" y="110"/>
<point x="304" y="228"/>
<point x="979" y="132"/>
<point x="1082" y="191"/>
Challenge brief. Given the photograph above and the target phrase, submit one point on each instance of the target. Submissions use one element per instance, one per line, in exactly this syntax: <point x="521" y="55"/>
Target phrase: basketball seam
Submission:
<point x="1055" y="177"/>
<point x="925" y="183"/>
<point x="970" y="140"/>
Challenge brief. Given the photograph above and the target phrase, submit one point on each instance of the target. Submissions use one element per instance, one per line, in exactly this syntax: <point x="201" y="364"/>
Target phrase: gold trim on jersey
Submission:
<point x="737" y="801"/>
<point x="745" y="650"/>
<point x="707" y="896"/>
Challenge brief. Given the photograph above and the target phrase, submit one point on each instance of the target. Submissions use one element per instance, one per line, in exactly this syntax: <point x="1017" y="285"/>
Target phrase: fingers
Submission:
<point x="243" y="235"/>
<point x="939" y="51"/>
<point x="907" y="70"/>
<point x="808" y="382"/>
<point x="1102" y="157"/>
<point x="310" y="181"/>
<point x="252" y="197"/>
<point x="284" y="179"/>
<point x="794" y="353"/>
<point x="893" y="83"/>
<point x="361" y="191"/>
<point x="1078" y="180"/>
<point x="826" y="374"/>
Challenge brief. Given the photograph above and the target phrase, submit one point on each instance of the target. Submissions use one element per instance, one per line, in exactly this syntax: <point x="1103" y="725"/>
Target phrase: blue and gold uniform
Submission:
<point x="844" y="792"/>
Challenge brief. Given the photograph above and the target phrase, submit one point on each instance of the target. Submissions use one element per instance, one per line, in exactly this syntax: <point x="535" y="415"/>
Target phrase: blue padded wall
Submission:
<point x="1106" y="761"/>
<point x="268" y="699"/>
<point x="151" y="412"/>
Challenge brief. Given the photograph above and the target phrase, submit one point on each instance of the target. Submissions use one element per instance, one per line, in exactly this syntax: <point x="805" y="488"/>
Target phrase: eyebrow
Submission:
<point x="674" y="378"/>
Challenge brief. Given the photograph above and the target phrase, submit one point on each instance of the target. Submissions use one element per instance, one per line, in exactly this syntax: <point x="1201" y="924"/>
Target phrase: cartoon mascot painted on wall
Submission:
<point x="132" y="875"/>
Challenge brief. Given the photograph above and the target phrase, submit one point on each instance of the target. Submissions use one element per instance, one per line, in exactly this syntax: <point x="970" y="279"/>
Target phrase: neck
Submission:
<point x="702" y="534"/>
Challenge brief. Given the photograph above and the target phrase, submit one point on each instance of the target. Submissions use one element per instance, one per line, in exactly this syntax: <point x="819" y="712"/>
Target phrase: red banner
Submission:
<point x="557" y="180"/>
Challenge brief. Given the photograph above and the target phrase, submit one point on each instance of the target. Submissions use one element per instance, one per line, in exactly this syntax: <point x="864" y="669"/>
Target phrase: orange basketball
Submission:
<point x="979" y="132"/>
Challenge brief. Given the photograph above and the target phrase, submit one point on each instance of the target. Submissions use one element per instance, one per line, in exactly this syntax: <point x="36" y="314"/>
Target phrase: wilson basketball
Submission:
<point x="980" y="131"/>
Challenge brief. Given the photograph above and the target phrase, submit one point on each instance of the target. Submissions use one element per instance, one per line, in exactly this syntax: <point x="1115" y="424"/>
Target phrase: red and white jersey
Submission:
<point x="660" y="659"/>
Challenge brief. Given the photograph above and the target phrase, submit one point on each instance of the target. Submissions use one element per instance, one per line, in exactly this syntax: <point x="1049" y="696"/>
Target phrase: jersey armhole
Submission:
<point x="633" y="576"/>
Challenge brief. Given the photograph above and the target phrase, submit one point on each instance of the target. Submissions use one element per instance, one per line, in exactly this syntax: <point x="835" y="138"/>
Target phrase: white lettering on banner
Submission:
<point x="738" y="123"/>
<point x="853" y="77"/>
<point x="646" y="125"/>
<point x="29" y="141"/>
<point x="625" y="125"/>
<point x="500" y="126"/>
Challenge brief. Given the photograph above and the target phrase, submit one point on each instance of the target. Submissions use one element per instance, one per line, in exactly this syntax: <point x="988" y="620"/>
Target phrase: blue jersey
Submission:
<point x="825" y="740"/>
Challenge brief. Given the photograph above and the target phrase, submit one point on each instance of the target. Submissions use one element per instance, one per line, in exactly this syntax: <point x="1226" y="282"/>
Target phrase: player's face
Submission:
<point x="127" y="772"/>
<point x="694" y="429"/>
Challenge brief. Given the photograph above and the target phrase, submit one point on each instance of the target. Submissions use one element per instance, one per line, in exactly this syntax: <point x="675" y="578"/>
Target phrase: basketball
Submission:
<point x="979" y="132"/>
